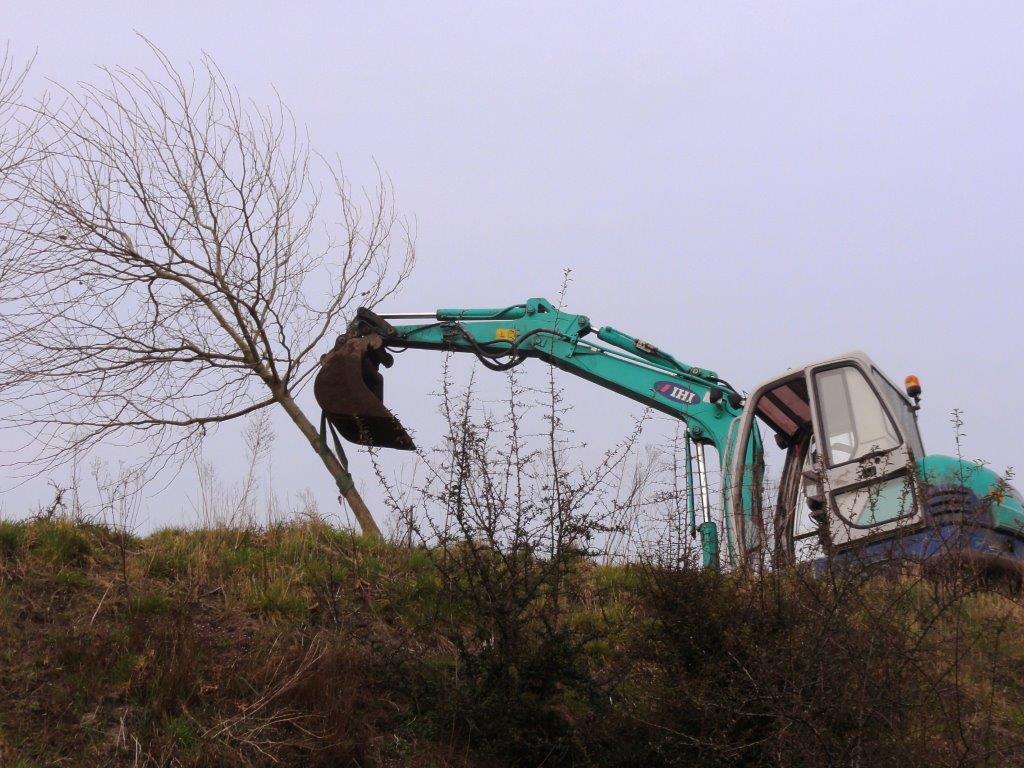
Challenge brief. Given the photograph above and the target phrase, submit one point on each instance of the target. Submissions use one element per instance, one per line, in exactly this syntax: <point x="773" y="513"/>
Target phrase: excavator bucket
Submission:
<point x="350" y="389"/>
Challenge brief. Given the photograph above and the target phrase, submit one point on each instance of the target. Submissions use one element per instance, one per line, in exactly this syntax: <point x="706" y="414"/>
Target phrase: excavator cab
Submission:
<point x="850" y="441"/>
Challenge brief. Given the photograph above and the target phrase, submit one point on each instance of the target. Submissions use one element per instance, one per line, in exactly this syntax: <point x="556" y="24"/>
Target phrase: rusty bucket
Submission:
<point x="350" y="389"/>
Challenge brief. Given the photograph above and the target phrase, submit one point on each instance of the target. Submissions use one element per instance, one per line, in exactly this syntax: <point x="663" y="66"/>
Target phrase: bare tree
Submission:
<point x="176" y="264"/>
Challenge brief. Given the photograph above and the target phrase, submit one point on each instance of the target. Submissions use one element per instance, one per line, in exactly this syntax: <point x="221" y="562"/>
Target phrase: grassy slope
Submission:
<point x="307" y="645"/>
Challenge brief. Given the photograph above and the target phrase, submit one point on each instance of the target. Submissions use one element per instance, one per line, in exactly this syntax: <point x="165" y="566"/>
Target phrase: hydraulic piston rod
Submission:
<point x="708" y="530"/>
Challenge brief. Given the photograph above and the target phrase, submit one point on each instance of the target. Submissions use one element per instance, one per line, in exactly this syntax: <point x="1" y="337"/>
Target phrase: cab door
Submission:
<point x="864" y="463"/>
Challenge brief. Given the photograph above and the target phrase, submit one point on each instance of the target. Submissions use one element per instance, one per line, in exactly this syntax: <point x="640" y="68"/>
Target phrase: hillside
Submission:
<point x="305" y="645"/>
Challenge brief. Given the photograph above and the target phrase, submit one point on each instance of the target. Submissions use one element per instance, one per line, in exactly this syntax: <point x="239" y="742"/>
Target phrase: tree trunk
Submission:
<point x="338" y="472"/>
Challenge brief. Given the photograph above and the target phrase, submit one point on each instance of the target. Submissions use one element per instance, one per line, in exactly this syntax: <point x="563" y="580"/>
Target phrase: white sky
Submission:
<point x="750" y="186"/>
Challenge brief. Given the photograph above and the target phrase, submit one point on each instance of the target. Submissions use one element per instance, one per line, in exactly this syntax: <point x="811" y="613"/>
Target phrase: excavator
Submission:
<point x="855" y="483"/>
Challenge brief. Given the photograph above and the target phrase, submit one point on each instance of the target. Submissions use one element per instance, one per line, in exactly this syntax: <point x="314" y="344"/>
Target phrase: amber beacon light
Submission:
<point x="913" y="387"/>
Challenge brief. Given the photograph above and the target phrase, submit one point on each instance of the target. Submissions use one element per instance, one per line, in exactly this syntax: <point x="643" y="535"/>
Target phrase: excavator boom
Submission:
<point x="350" y="389"/>
<point x="855" y="477"/>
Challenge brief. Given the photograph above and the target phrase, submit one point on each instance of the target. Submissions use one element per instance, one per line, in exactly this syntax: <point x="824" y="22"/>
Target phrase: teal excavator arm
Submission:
<point x="502" y="338"/>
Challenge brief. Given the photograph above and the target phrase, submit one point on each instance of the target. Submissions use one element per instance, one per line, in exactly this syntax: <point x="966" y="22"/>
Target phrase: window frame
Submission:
<point x="819" y="416"/>
<point x="915" y="443"/>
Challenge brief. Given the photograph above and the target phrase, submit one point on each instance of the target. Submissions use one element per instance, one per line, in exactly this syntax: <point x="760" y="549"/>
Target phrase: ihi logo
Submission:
<point x="675" y="392"/>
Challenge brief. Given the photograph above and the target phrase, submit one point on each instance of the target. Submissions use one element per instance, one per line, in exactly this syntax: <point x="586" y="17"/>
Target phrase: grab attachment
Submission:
<point x="350" y="387"/>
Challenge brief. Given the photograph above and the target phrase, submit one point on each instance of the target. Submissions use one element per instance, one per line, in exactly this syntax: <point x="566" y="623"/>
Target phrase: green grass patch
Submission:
<point x="61" y="543"/>
<point x="120" y="672"/>
<point x="318" y="572"/>
<point x="168" y="564"/>
<point x="150" y="603"/>
<point x="184" y="734"/>
<point x="617" y="578"/>
<point x="236" y="559"/>
<point x="277" y="598"/>
<point x="369" y="567"/>
<point x="12" y="536"/>
<point x="72" y="577"/>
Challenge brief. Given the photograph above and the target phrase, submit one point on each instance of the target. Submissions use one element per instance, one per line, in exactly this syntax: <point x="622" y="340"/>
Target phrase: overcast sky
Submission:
<point x="750" y="186"/>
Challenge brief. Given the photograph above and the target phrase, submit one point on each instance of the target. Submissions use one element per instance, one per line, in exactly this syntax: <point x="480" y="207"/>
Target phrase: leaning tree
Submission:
<point x="175" y="257"/>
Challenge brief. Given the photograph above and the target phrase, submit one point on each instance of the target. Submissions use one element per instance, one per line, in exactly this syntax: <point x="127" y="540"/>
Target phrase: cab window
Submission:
<point x="854" y="421"/>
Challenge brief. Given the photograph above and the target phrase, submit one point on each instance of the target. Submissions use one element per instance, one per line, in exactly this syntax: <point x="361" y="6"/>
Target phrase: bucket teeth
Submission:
<point x="350" y="389"/>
